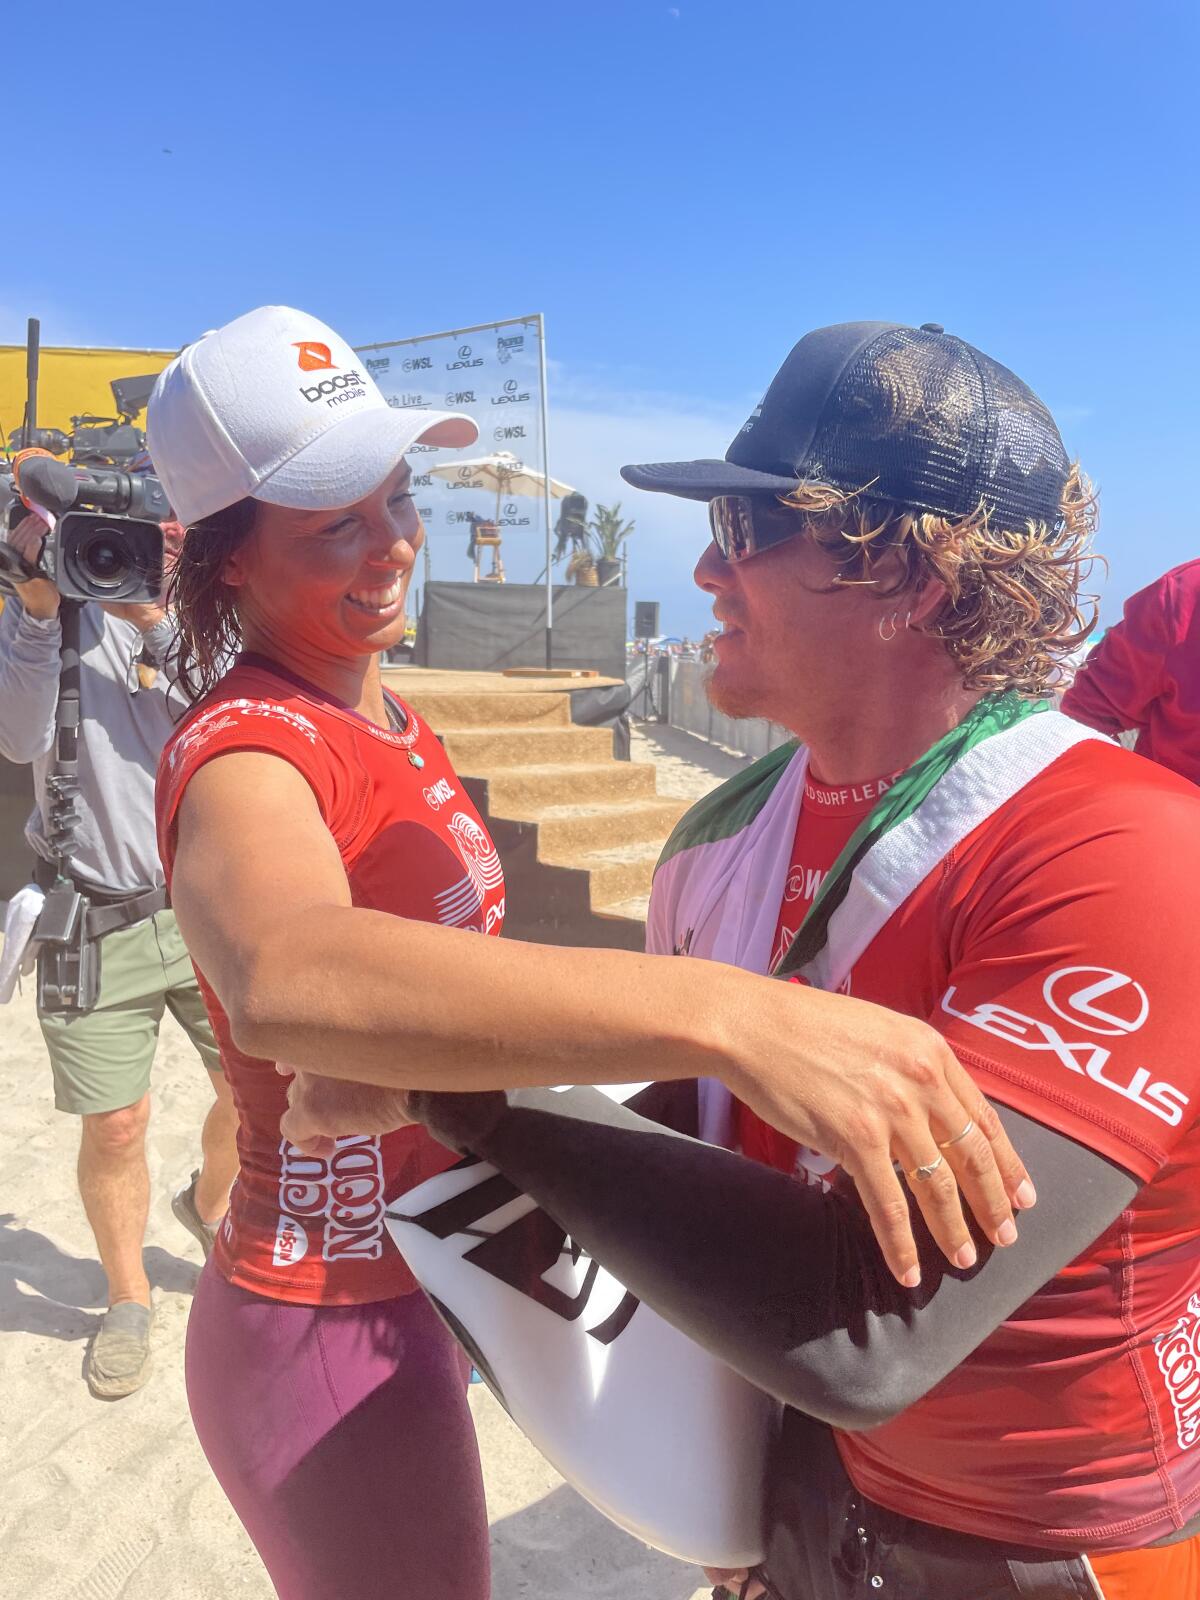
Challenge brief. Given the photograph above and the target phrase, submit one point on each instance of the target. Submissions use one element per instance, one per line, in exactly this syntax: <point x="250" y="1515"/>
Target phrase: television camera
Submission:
<point x="106" y="539"/>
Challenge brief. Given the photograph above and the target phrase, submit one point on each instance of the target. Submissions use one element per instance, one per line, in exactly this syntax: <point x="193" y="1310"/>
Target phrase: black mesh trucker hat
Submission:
<point x="911" y="415"/>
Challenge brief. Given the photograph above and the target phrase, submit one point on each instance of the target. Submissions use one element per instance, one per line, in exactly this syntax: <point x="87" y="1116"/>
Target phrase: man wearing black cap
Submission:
<point x="898" y="538"/>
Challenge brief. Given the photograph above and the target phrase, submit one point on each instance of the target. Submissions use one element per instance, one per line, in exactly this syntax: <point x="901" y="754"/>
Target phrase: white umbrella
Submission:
<point x="503" y="473"/>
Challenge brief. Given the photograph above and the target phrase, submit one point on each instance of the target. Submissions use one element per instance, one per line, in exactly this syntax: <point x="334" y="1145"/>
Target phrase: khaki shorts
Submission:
<point x="101" y="1060"/>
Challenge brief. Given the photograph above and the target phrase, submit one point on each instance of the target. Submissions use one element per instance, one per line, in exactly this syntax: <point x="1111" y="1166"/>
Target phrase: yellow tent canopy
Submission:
<point x="71" y="382"/>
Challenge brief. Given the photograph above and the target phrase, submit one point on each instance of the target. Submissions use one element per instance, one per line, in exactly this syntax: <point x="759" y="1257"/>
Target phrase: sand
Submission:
<point x="114" y="1501"/>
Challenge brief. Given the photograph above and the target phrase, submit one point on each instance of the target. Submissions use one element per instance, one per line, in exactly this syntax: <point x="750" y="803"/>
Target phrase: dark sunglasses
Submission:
<point x="745" y="525"/>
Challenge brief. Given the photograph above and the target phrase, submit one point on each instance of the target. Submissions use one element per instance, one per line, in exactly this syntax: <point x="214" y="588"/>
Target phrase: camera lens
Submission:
<point x="103" y="560"/>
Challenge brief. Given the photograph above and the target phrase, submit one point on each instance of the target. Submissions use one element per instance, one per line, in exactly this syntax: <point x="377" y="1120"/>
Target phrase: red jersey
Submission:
<point x="1056" y="949"/>
<point x="302" y="1228"/>
<point x="1145" y="673"/>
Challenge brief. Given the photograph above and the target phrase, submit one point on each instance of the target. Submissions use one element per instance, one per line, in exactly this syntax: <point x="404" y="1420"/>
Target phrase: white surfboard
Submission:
<point x="663" y="1438"/>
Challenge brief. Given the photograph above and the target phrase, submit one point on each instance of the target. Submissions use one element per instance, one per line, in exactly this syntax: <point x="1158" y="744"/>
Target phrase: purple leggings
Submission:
<point x="342" y="1436"/>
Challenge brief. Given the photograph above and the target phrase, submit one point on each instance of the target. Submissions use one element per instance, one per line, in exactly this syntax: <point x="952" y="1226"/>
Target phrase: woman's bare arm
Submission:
<point x="307" y="978"/>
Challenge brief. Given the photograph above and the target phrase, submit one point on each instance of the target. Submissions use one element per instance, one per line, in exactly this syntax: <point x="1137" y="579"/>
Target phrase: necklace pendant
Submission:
<point x="415" y="760"/>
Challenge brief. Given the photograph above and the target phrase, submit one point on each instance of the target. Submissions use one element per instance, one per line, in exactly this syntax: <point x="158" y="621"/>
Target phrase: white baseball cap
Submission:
<point x="275" y="406"/>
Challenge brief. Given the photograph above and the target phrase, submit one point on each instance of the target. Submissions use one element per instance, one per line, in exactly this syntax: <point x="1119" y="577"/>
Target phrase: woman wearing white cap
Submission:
<point x="326" y="868"/>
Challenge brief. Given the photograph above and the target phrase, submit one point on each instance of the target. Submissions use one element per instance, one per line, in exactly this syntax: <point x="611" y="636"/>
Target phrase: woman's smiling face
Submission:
<point x="330" y="583"/>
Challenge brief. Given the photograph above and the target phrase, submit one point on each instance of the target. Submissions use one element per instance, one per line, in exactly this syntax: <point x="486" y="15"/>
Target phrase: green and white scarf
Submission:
<point x="720" y="881"/>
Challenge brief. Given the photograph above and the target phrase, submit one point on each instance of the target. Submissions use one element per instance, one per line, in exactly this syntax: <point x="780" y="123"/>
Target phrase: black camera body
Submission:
<point x="107" y="540"/>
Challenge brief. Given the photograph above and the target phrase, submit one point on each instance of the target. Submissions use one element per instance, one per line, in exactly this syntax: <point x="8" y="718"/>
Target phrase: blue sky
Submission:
<point x="682" y="190"/>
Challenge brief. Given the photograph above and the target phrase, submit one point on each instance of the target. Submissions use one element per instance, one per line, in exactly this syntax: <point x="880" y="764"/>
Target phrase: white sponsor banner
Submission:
<point x="492" y="373"/>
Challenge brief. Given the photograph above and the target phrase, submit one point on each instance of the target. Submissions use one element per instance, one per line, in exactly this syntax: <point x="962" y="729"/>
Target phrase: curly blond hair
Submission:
<point x="1014" y="609"/>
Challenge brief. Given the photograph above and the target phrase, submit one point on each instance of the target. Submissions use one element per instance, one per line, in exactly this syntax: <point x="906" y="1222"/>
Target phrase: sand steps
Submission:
<point x="579" y="832"/>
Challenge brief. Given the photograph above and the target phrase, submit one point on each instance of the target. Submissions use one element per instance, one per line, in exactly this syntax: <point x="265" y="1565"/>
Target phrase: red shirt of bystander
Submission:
<point x="1145" y="673"/>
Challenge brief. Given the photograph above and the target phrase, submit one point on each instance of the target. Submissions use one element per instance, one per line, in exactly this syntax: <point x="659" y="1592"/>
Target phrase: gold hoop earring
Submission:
<point x="888" y="637"/>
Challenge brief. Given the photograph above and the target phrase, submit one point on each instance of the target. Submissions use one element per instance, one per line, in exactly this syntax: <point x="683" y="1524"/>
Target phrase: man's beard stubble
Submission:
<point x="730" y="699"/>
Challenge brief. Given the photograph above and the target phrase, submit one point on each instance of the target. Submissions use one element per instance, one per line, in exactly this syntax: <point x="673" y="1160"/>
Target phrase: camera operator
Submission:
<point x="101" y="1058"/>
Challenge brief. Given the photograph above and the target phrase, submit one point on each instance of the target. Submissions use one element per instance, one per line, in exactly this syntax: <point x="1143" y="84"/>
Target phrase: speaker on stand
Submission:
<point x="646" y="627"/>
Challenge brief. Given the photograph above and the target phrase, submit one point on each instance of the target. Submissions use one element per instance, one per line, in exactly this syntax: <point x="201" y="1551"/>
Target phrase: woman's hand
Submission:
<point x="321" y="1110"/>
<point x="875" y="1090"/>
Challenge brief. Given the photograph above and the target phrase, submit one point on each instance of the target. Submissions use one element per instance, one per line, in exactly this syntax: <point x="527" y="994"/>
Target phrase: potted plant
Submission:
<point x="581" y="568"/>
<point x="609" y="533"/>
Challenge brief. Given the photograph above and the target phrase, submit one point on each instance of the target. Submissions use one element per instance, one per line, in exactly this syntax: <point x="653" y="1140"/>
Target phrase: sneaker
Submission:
<point x="183" y="1204"/>
<point x="118" y="1362"/>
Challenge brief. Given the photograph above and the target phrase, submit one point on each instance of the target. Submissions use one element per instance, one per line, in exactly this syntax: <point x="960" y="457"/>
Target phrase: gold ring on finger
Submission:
<point x="958" y="1137"/>
<point x="927" y="1171"/>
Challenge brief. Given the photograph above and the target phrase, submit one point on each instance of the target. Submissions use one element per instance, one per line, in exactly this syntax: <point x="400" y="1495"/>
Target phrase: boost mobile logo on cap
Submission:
<point x="314" y="357"/>
<point x="346" y="386"/>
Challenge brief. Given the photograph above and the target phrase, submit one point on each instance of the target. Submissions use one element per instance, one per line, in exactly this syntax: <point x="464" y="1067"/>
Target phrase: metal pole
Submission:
<point x="541" y="322"/>
<point x="33" y="342"/>
<point x="446" y="333"/>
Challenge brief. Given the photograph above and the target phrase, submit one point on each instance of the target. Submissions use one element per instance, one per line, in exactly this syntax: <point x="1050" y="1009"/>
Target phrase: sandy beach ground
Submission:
<point x="114" y="1501"/>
